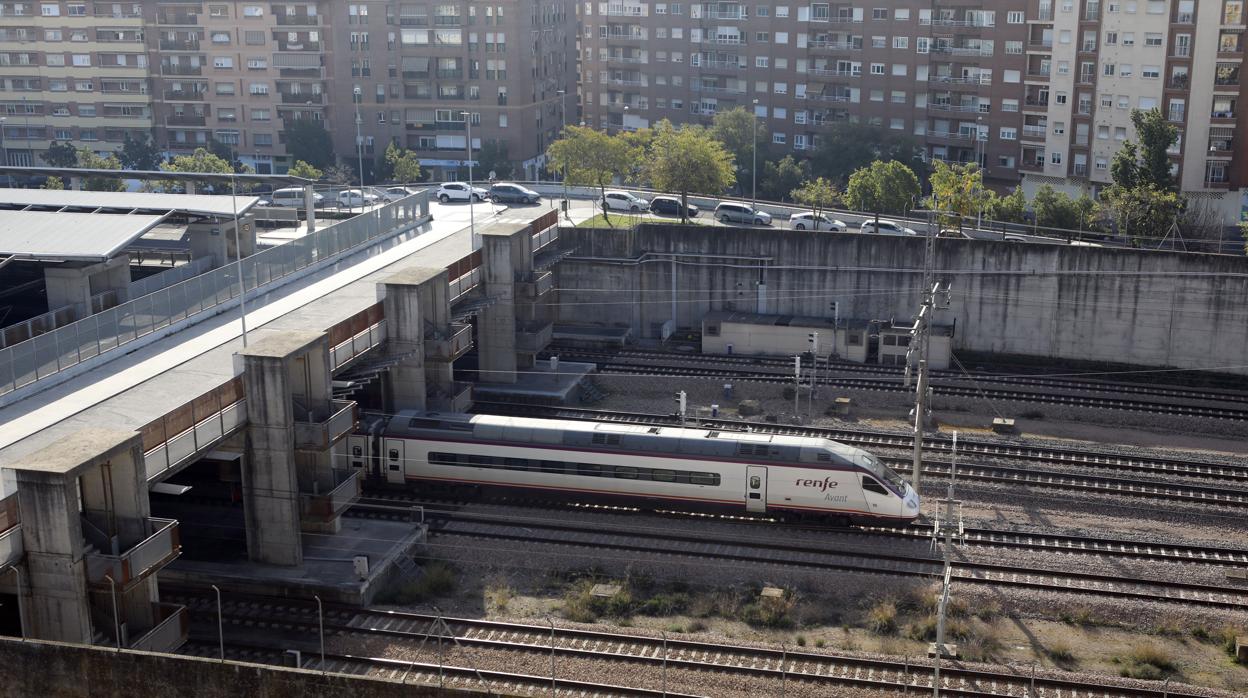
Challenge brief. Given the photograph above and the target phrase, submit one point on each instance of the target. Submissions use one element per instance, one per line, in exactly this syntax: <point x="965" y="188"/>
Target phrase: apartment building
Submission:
<point x="1037" y="91"/>
<point x="71" y="71"/>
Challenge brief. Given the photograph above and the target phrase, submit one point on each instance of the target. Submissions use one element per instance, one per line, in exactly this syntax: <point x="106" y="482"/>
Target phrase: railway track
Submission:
<point x="786" y="365"/>
<point x="780" y="377"/>
<point x="774" y="666"/>
<point x="400" y="507"/>
<point x="1150" y="489"/>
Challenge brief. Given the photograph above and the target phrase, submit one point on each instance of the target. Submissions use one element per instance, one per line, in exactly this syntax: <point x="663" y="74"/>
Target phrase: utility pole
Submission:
<point x="918" y="350"/>
<point x="797" y="383"/>
<point x="359" y="144"/>
<point x="472" y="221"/>
<point x="938" y="649"/>
<point x="813" y="338"/>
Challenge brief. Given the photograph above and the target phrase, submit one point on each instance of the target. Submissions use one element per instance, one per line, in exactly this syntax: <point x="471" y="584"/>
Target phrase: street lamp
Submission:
<point x="754" y="164"/>
<point x="563" y="121"/>
<point x="472" y="221"/>
<point x="979" y="163"/>
<point x="4" y="152"/>
<point x="359" y="141"/>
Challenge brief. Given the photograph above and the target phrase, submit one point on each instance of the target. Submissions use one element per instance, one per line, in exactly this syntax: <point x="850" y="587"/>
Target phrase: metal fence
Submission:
<point x="169" y="277"/>
<point x="53" y="352"/>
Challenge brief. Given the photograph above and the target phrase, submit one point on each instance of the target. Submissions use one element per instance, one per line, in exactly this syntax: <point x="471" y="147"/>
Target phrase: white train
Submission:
<point x="658" y="467"/>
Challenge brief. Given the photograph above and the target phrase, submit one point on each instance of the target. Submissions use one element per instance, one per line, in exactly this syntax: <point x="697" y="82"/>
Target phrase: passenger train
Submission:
<point x="688" y="469"/>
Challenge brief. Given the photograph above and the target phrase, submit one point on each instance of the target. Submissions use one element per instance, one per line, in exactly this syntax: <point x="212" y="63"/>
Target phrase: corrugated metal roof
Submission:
<point x="88" y="237"/>
<point x="199" y="204"/>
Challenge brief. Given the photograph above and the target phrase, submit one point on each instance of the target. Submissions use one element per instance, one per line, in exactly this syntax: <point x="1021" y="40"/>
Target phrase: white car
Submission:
<point x="807" y="221"/>
<point x="886" y="228"/>
<point x="356" y="197"/>
<point x="624" y="201"/>
<point x="396" y="193"/>
<point x="458" y="191"/>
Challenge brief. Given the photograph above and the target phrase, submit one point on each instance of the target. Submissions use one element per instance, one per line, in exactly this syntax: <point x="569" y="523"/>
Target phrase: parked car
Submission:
<point x="513" y="193"/>
<point x="886" y="228"/>
<point x="741" y="213"/>
<point x="458" y="191"/>
<point x="396" y="193"/>
<point x="293" y="196"/>
<point x="670" y="206"/>
<point x="356" y="197"/>
<point x="807" y="221"/>
<point x="623" y="201"/>
<point x="955" y="233"/>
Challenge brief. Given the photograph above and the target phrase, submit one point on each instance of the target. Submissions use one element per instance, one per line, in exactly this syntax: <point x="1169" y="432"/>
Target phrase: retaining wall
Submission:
<point x="1079" y="303"/>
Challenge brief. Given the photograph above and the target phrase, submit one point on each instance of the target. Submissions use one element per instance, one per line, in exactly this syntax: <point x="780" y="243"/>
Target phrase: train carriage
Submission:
<point x="690" y="469"/>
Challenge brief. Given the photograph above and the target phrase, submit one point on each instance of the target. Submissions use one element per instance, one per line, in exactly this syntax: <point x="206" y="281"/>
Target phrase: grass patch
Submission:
<point x="1062" y="654"/>
<point x="620" y="219"/>
<point x="1147" y="661"/>
<point x="882" y="617"/>
<point x="497" y="596"/>
<point x="436" y="579"/>
<point x="770" y="612"/>
<point x="1079" y="615"/>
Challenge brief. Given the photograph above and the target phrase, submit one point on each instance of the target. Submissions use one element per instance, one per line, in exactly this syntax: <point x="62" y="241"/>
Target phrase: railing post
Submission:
<point x="320" y="622"/>
<point x="220" y="625"/>
<point x="116" y="618"/>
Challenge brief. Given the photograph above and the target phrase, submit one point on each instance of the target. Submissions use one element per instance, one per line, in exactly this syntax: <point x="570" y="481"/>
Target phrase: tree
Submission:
<point x="846" y="148"/>
<point x="882" y="187"/>
<point x="1011" y="208"/>
<point x="816" y="194"/>
<point x="340" y="174"/>
<point x="688" y="159"/>
<point x="1156" y="134"/>
<point x="404" y="164"/>
<point x="307" y="140"/>
<point x="201" y="160"/>
<point x="1142" y="212"/>
<point x="589" y="158"/>
<point x="303" y="169"/>
<point x="959" y="189"/>
<point x="139" y="154"/>
<point x="54" y="183"/>
<point x="492" y="157"/>
<point x="781" y="178"/>
<point x="63" y="155"/>
<point x="1124" y="170"/>
<point x="90" y="160"/>
<point x="740" y="132"/>
<point x="1055" y="209"/>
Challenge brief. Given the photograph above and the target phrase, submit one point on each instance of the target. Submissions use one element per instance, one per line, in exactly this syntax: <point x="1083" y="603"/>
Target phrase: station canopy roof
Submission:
<point x="217" y="206"/>
<point x="70" y="236"/>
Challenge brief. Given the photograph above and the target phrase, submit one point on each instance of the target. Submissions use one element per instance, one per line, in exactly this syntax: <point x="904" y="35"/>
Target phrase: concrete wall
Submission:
<point x="1058" y="301"/>
<point x="69" y="671"/>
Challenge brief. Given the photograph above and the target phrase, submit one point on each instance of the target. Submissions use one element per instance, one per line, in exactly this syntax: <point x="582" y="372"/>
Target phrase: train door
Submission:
<point x="357" y="454"/>
<point x="392" y="454"/>
<point x="880" y="501"/>
<point x="755" y="488"/>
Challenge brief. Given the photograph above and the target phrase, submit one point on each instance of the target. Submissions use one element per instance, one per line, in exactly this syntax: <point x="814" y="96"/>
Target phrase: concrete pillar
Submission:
<point x="75" y="284"/>
<point x="309" y="205"/>
<point x="106" y="468"/>
<point x="496" y="325"/>
<point x="288" y="379"/>
<point x="216" y="239"/>
<point x="400" y="293"/>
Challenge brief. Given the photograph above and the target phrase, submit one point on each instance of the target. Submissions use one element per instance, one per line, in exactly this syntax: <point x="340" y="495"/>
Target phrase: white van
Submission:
<point x="293" y="197"/>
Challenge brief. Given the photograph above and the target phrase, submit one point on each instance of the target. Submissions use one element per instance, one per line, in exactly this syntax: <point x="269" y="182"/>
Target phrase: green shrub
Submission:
<point x="1080" y="615"/>
<point x="1149" y="662"/>
<point x="664" y="604"/>
<point x="1062" y="654"/>
<point x="922" y="630"/>
<point x="882" y="617"/>
<point x="801" y="641"/>
<point x="436" y="579"/>
<point x="769" y="612"/>
<point x="820" y="643"/>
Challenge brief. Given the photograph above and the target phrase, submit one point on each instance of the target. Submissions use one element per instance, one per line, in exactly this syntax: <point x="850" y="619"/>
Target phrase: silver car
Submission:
<point x="741" y="213"/>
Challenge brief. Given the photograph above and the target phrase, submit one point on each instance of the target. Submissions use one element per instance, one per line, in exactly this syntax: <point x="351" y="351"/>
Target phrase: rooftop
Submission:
<point x="86" y="237"/>
<point x="217" y="206"/>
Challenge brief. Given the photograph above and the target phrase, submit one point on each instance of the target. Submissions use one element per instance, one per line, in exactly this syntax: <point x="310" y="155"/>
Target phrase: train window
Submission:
<point x="516" y="463"/>
<point x="591" y="469"/>
<point x="704" y="478"/>
<point x="872" y="486"/>
<point x="480" y="461"/>
<point x="552" y="466"/>
<point x="663" y="475"/>
<point x="755" y="482"/>
<point x="625" y="472"/>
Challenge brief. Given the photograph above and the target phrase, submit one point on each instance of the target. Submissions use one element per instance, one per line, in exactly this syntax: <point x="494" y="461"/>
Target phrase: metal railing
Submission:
<point x="173" y="625"/>
<point x="178" y="436"/>
<point x="156" y="550"/>
<point x="169" y="277"/>
<point x="331" y="504"/>
<point x="464" y="275"/>
<point x="10" y="531"/>
<point x="73" y="344"/>
<point x="356" y="335"/>
<point x="317" y="432"/>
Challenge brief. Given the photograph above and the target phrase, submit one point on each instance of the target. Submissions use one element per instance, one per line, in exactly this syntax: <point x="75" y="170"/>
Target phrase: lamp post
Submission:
<point x="563" y="126"/>
<point x="472" y="221"/>
<point x="979" y="163"/>
<point x="754" y="162"/>
<point x="238" y="253"/>
<point x="359" y="141"/>
<point x="4" y="152"/>
<point x="30" y="148"/>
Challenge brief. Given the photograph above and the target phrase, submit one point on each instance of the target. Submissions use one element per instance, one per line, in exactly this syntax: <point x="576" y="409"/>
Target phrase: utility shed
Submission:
<point x="725" y="332"/>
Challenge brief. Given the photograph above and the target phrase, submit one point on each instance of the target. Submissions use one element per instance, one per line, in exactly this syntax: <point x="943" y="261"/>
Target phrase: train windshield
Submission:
<point x="877" y="468"/>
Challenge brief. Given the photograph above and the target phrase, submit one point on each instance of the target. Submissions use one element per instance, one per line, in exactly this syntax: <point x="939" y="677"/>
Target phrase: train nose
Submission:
<point x="912" y="501"/>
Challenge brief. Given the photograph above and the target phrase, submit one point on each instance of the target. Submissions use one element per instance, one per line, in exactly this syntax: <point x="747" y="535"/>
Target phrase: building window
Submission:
<point x="879" y="13"/>
<point x="778" y="138"/>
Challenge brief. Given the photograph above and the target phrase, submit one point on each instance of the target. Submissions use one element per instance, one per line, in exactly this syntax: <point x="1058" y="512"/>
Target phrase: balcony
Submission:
<point x="177" y="18"/>
<point x="949" y="106"/>
<point x="285" y="20"/>
<point x="1222" y="182"/>
<point x="180" y="69"/>
<point x="834" y="46"/>
<point x="627" y="60"/>
<point x="533" y="338"/>
<point x="160" y="546"/>
<point x="287" y="45"/>
<point x="962" y="51"/>
<point x="10" y="531"/>
<point x="1040" y="45"/>
<point x="1088" y="47"/>
<point x="1177" y="82"/>
<point x="724" y="14"/>
<point x="173" y="624"/>
<point x="1032" y="132"/>
<point x="1044" y="14"/>
<point x="834" y="73"/>
<point x="186" y="120"/>
<point x="620" y="82"/>
<point x="184" y="96"/>
<point x="718" y="89"/>
<point x="621" y="36"/>
<point x="317" y="430"/>
<point x="301" y="97"/>
<point x="951" y="80"/>
<point x="535" y="285"/>
<point x="1222" y="115"/>
<point x="449" y="343"/>
<point x="457" y="399"/>
<point x="179" y="44"/>
<point x="951" y="136"/>
<point x="724" y="40"/>
<point x="721" y="65"/>
<point x="1221" y="147"/>
<point x="318" y="508"/>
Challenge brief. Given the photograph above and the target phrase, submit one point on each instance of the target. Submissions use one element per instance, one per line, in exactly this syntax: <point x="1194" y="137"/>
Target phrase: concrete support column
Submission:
<point x="418" y="318"/>
<point x="309" y="205"/>
<point x="75" y="284"/>
<point x="496" y="325"/>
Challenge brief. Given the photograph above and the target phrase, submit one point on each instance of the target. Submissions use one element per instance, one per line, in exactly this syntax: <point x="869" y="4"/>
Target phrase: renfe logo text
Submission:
<point x="823" y="485"/>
